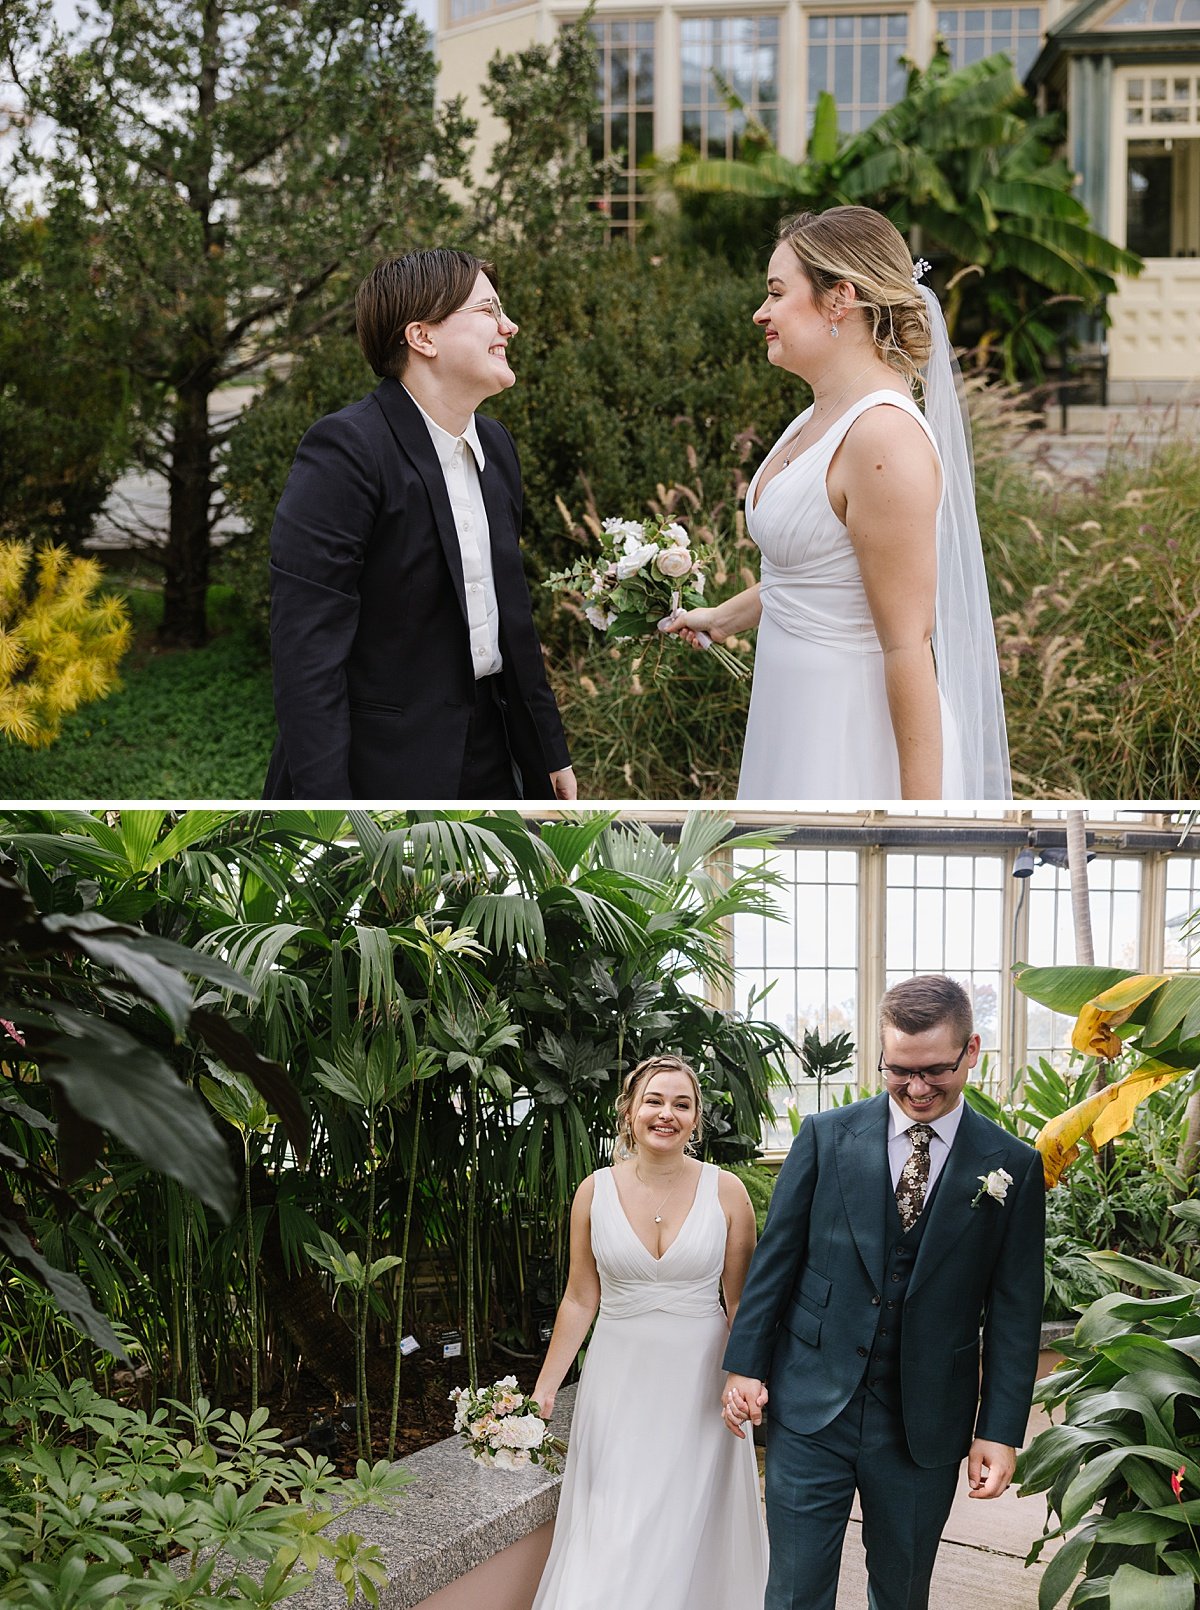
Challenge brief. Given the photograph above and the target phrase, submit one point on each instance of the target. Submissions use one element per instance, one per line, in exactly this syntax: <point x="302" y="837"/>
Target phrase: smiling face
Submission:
<point x="664" y="1113"/>
<point x="935" y="1050"/>
<point x="795" y="327"/>
<point x="472" y="348"/>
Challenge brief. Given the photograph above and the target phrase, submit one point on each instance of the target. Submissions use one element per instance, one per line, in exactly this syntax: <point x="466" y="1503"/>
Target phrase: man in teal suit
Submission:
<point x="894" y="1306"/>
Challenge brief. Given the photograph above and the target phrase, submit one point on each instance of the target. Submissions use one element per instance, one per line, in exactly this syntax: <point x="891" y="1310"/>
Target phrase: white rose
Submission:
<point x="995" y="1185"/>
<point x="601" y="619"/>
<point x="677" y="534"/>
<point x="524" y="1431"/>
<point x="510" y="1458"/>
<point x="633" y="532"/>
<point x="633" y="561"/>
<point x="612" y="525"/>
<point x="507" y="1380"/>
<point x="698" y="580"/>
<point x="673" y="562"/>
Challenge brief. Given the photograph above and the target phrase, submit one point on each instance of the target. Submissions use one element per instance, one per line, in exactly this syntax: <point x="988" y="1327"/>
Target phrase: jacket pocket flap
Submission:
<point x="966" y="1360"/>
<point x="815" y="1287"/>
<point x="803" y="1323"/>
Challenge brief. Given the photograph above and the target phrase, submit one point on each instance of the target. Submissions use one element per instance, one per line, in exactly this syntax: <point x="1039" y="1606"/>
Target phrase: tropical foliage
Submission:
<point x="456" y="998"/>
<point x="1121" y="1470"/>
<point x="102" y="1504"/>
<point x="964" y="166"/>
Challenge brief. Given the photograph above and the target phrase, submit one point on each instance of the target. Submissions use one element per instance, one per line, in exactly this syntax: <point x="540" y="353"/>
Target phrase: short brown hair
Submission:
<point x="926" y="1002"/>
<point x="419" y="286"/>
<point x="860" y="245"/>
<point x="631" y="1087"/>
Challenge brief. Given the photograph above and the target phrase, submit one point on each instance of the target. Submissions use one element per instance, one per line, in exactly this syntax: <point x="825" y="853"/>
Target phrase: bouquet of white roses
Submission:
<point x="645" y="572"/>
<point x="501" y="1426"/>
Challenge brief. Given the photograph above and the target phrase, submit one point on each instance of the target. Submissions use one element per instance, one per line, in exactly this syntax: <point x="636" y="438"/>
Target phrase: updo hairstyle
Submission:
<point x="631" y="1089"/>
<point x="861" y="245"/>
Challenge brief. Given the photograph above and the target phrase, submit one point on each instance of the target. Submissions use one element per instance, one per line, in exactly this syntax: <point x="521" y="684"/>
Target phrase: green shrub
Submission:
<point x="153" y="1513"/>
<point x="760" y="1186"/>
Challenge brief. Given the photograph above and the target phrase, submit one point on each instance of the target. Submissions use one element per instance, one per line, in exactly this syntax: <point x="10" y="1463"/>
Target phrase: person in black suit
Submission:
<point x="895" y="1305"/>
<point x="405" y="660"/>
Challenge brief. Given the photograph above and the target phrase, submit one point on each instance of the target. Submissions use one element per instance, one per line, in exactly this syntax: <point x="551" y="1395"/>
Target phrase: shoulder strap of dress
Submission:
<point x="875" y="399"/>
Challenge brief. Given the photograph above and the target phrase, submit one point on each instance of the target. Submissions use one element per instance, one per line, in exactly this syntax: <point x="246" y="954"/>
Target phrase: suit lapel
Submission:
<point x="975" y="1148"/>
<point x="860" y="1148"/>
<point x="414" y="439"/>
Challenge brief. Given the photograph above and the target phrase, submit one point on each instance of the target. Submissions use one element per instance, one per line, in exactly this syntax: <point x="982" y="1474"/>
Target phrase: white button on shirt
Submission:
<point x="462" y="460"/>
<point x="900" y="1146"/>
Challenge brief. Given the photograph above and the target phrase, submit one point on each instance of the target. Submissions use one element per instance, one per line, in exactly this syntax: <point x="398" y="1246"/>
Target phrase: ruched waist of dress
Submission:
<point x="818" y="615"/>
<point x="627" y="1302"/>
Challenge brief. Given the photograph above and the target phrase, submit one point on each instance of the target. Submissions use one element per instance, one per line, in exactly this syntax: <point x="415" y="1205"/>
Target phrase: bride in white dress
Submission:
<point x="875" y="670"/>
<point x="659" y="1508"/>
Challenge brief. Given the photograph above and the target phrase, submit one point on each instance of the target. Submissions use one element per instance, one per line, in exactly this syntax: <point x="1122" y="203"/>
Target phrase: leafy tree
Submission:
<point x="68" y="417"/>
<point x="244" y="165"/>
<point x="541" y="176"/>
<point x="965" y="167"/>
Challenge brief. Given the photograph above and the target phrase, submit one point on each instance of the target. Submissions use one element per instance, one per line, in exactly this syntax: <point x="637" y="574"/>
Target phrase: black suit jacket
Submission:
<point x="815" y="1294"/>
<point x="374" y="686"/>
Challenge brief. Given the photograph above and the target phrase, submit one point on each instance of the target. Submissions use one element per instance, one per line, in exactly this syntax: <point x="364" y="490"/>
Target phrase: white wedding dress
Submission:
<point x="659" y="1507"/>
<point x="819" y="725"/>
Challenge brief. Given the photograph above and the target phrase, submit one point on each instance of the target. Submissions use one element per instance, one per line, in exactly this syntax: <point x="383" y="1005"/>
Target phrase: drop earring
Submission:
<point x="833" y="330"/>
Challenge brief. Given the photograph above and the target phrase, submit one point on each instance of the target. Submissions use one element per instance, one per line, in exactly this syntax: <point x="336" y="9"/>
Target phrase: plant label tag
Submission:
<point x="408" y="1345"/>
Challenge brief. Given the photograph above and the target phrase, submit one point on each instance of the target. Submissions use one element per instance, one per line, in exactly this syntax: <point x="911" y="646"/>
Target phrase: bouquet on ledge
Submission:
<point x="501" y="1426"/>
<point x="644" y="574"/>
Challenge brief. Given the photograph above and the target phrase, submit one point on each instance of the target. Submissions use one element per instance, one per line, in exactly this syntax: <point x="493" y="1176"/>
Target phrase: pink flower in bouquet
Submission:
<point x="674" y="562"/>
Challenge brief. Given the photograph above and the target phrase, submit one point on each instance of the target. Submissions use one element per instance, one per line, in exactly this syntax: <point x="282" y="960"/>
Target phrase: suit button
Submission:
<point x="862" y="1352"/>
<point x="891" y="1303"/>
<point x="875" y="1301"/>
<point x="883" y="1333"/>
<point x="895" y="1277"/>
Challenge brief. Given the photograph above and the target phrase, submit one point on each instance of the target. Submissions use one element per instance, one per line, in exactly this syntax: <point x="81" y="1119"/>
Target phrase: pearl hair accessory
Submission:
<point x="920" y="268"/>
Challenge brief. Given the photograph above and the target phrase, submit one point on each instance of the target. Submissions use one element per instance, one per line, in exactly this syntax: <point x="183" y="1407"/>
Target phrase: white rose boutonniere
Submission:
<point x="995" y="1185"/>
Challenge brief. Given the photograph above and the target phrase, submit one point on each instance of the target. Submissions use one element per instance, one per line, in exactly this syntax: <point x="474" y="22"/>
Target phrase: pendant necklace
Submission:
<point x="663" y="1203"/>
<point x="828" y="411"/>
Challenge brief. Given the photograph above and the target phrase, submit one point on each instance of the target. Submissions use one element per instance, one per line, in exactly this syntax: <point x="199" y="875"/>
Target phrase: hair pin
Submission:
<point x="920" y="268"/>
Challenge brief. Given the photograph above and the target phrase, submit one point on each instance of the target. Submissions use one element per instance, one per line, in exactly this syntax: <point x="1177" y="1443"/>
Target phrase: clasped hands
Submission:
<point x="743" y="1399"/>
<point x="990" y="1465"/>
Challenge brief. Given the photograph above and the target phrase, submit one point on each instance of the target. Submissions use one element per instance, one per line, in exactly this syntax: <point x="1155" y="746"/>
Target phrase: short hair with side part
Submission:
<point x="916" y="1005"/>
<point x="417" y="287"/>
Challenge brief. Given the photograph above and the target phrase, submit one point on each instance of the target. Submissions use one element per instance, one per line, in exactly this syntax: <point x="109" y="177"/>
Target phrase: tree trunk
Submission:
<point x="184" y="623"/>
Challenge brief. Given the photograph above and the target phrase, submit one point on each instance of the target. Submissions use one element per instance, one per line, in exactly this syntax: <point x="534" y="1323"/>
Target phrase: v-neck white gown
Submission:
<point x="819" y="725"/>
<point x="659" y="1507"/>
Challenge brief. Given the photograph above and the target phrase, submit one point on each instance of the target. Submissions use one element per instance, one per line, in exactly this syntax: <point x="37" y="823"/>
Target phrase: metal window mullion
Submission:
<point x="1152" y="913"/>
<point x="872" y="962"/>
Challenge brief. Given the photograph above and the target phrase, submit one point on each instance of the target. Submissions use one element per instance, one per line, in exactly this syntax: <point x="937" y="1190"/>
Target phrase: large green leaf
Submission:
<point x="1067" y="989"/>
<point x="1062" y="1570"/>
<point x="1112" y="1315"/>
<point x="128" y="1091"/>
<point x="1131" y="1589"/>
<point x="1137" y="1272"/>
<point x="1095" y="1476"/>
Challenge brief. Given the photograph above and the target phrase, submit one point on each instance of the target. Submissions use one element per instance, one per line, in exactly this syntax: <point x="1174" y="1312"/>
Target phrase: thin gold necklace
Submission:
<point x="828" y="411"/>
<point x="663" y="1203"/>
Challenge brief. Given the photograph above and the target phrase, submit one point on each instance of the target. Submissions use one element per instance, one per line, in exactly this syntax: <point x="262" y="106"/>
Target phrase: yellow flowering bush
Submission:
<point x="60" y="644"/>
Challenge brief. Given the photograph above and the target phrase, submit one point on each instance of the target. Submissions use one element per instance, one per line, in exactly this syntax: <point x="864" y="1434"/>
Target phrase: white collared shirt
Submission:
<point x="461" y="469"/>
<point x="900" y="1146"/>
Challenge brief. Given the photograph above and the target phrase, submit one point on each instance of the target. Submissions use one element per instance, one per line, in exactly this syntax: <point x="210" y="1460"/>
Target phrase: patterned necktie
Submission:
<point x="914" y="1176"/>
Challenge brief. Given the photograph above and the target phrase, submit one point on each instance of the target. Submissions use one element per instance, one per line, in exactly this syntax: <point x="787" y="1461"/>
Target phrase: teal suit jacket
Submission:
<point x="815" y="1295"/>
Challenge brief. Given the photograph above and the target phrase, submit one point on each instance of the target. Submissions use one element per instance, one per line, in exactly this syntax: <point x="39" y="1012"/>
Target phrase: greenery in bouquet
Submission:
<point x="644" y="572"/>
<point x="501" y="1426"/>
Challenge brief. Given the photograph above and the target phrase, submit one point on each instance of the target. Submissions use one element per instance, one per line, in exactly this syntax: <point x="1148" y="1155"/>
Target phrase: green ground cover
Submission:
<point x="185" y="724"/>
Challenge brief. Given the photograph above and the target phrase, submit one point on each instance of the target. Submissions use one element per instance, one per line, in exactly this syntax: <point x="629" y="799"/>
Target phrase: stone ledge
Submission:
<point x="454" y="1517"/>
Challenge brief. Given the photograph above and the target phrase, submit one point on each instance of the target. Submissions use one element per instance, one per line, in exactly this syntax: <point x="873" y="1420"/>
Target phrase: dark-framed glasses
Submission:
<point x="490" y="304"/>
<point x="931" y="1076"/>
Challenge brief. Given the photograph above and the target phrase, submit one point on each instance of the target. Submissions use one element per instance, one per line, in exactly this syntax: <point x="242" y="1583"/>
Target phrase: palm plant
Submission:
<point x="964" y="166"/>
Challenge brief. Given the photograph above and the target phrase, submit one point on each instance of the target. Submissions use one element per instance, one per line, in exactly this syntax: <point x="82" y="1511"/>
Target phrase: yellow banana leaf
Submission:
<point x="1099" y="1118"/>
<point x="1092" y="1033"/>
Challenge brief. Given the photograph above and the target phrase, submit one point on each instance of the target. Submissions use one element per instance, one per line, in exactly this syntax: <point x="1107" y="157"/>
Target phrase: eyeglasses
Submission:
<point x="490" y="305"/>
<point x="931" y="1076"/>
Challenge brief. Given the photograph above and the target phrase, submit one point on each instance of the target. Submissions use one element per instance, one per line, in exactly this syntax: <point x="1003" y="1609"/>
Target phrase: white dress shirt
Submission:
<point x="900" y="1145"/>
<point x="461" y="469"/>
